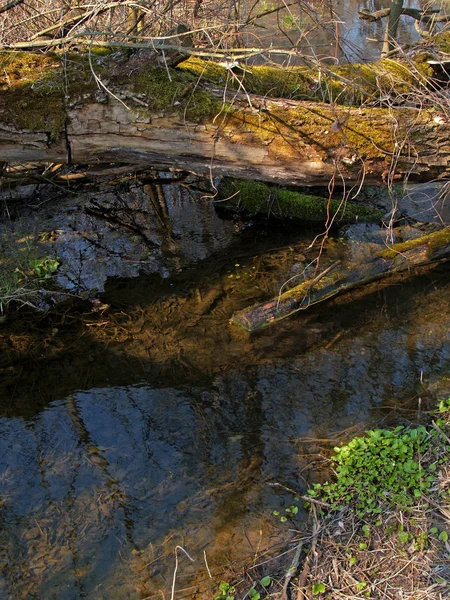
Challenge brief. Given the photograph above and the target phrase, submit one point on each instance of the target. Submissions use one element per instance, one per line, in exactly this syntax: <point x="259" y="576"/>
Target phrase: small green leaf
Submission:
<point x="366" y="530"/>
<point x="443" y="536"/>
<point x="404" y="536"/>
<point x="352" y="560"/>
<point x="361" y="585"/>
<point x="283" y="519"/>
<point x="265" y="581"/>
<point x="276" y="513"/>
<point x="318" y="588"/>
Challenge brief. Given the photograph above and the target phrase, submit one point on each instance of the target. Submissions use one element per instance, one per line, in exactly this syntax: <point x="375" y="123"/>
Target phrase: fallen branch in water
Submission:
<point x="399" y="257"/>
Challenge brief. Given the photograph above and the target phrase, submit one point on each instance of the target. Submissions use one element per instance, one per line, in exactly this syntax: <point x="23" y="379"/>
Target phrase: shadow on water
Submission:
<point x="155" y="424"/>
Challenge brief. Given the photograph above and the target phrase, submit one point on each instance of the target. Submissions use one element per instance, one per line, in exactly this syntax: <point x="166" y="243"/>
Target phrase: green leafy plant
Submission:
<point x="44" y="267"/>
<point x="290" y="511"/>
<point x="403" y="536"/>
<point x="265" y="583"/>
<point x="361" y="585"/>
<point x="379" y="469"/>
<point x="226" y="591"/>
<point x="22" y="272"/>
<point x="444" y="405"/>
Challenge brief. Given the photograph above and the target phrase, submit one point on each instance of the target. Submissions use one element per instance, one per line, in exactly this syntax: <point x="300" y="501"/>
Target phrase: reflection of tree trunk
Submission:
<point x="392" y="26"/>
<point x="92" y="450"/>
<point x="157" y="199"/>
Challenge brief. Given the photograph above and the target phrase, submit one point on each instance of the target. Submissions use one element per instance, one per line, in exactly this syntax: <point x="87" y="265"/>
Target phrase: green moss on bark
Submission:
<point x="345" y="84"/>
<point x="175" y="95"/>
<point x="433" y="241"/>
<point x="259" y="198"/>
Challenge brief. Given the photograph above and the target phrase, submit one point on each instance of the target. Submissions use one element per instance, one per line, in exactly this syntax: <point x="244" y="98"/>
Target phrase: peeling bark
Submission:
<point x="201" y="128"/>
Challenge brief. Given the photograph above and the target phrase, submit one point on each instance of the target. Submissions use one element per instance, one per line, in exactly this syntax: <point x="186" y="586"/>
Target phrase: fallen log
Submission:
<point x="337" y="279"/>
<point x="96" y="109"/>
<point x="258" y="198"/>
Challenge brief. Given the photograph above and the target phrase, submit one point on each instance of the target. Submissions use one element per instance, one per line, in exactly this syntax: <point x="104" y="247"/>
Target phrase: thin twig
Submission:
<point x="292" y="570"/>
<point x="176" y="568"/>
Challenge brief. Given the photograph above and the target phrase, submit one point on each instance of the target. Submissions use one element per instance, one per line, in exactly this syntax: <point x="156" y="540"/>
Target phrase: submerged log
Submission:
<point x="96" y="110"/>
<point x="336" y="279"/>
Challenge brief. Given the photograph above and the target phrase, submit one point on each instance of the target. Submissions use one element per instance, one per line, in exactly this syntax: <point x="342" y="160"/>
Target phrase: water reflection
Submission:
<point x="325" y="30"/>
<point x="99" y="488"/>
<point x="143" y="228"/>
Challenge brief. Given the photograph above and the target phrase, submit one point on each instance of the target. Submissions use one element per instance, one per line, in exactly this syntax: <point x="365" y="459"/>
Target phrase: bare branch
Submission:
<point x="9" y="5"/>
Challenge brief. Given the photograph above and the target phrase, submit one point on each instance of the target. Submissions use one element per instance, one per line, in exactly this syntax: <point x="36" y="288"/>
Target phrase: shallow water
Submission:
<point x="156" y="424"/>
<point x="326" y="30"/>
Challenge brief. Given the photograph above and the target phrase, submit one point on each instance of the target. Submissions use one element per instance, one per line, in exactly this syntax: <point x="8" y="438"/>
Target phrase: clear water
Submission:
<point x="157" y="424"/>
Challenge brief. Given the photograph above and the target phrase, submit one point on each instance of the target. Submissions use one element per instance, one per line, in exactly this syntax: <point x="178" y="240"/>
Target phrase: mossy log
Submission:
<point x="337" y="279"/>
<point x="115" y="109"/>
<point x="259" y="198"/>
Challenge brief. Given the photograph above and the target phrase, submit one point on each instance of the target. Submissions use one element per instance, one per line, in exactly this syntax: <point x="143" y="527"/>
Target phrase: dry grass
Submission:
<point x="401" y="554"/>
<point x="381" y="566"/>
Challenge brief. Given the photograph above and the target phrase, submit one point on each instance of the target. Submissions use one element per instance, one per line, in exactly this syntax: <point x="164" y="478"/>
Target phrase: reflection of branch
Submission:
<point x="92" y="451"/>
<point x="250" y="20"/>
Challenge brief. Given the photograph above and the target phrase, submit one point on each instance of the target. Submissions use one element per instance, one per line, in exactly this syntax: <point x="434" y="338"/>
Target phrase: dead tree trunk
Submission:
<point x="92" y="111"/>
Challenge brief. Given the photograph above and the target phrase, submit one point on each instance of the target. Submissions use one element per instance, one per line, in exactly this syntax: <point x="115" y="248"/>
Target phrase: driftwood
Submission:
<point x="94" y="110"/>
<point x="336" y="279"/>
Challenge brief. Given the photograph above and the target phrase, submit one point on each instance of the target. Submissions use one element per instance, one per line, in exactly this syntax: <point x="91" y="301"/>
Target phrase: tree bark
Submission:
<point x="161" y="117"/>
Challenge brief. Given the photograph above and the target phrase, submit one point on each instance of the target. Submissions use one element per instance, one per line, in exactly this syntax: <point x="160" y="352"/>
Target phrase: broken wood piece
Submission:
<point x="421" y="251"/>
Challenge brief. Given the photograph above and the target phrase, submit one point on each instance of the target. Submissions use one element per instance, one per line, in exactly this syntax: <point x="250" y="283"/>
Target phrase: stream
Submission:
<point x="142" y="436"/>
<point x="151" y="425"/>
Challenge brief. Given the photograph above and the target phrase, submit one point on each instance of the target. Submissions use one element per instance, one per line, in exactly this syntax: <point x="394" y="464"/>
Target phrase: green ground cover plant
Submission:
<point x="22" y="274"/>
<point x="379" y="527"/>
<point x="385" y="468"/>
